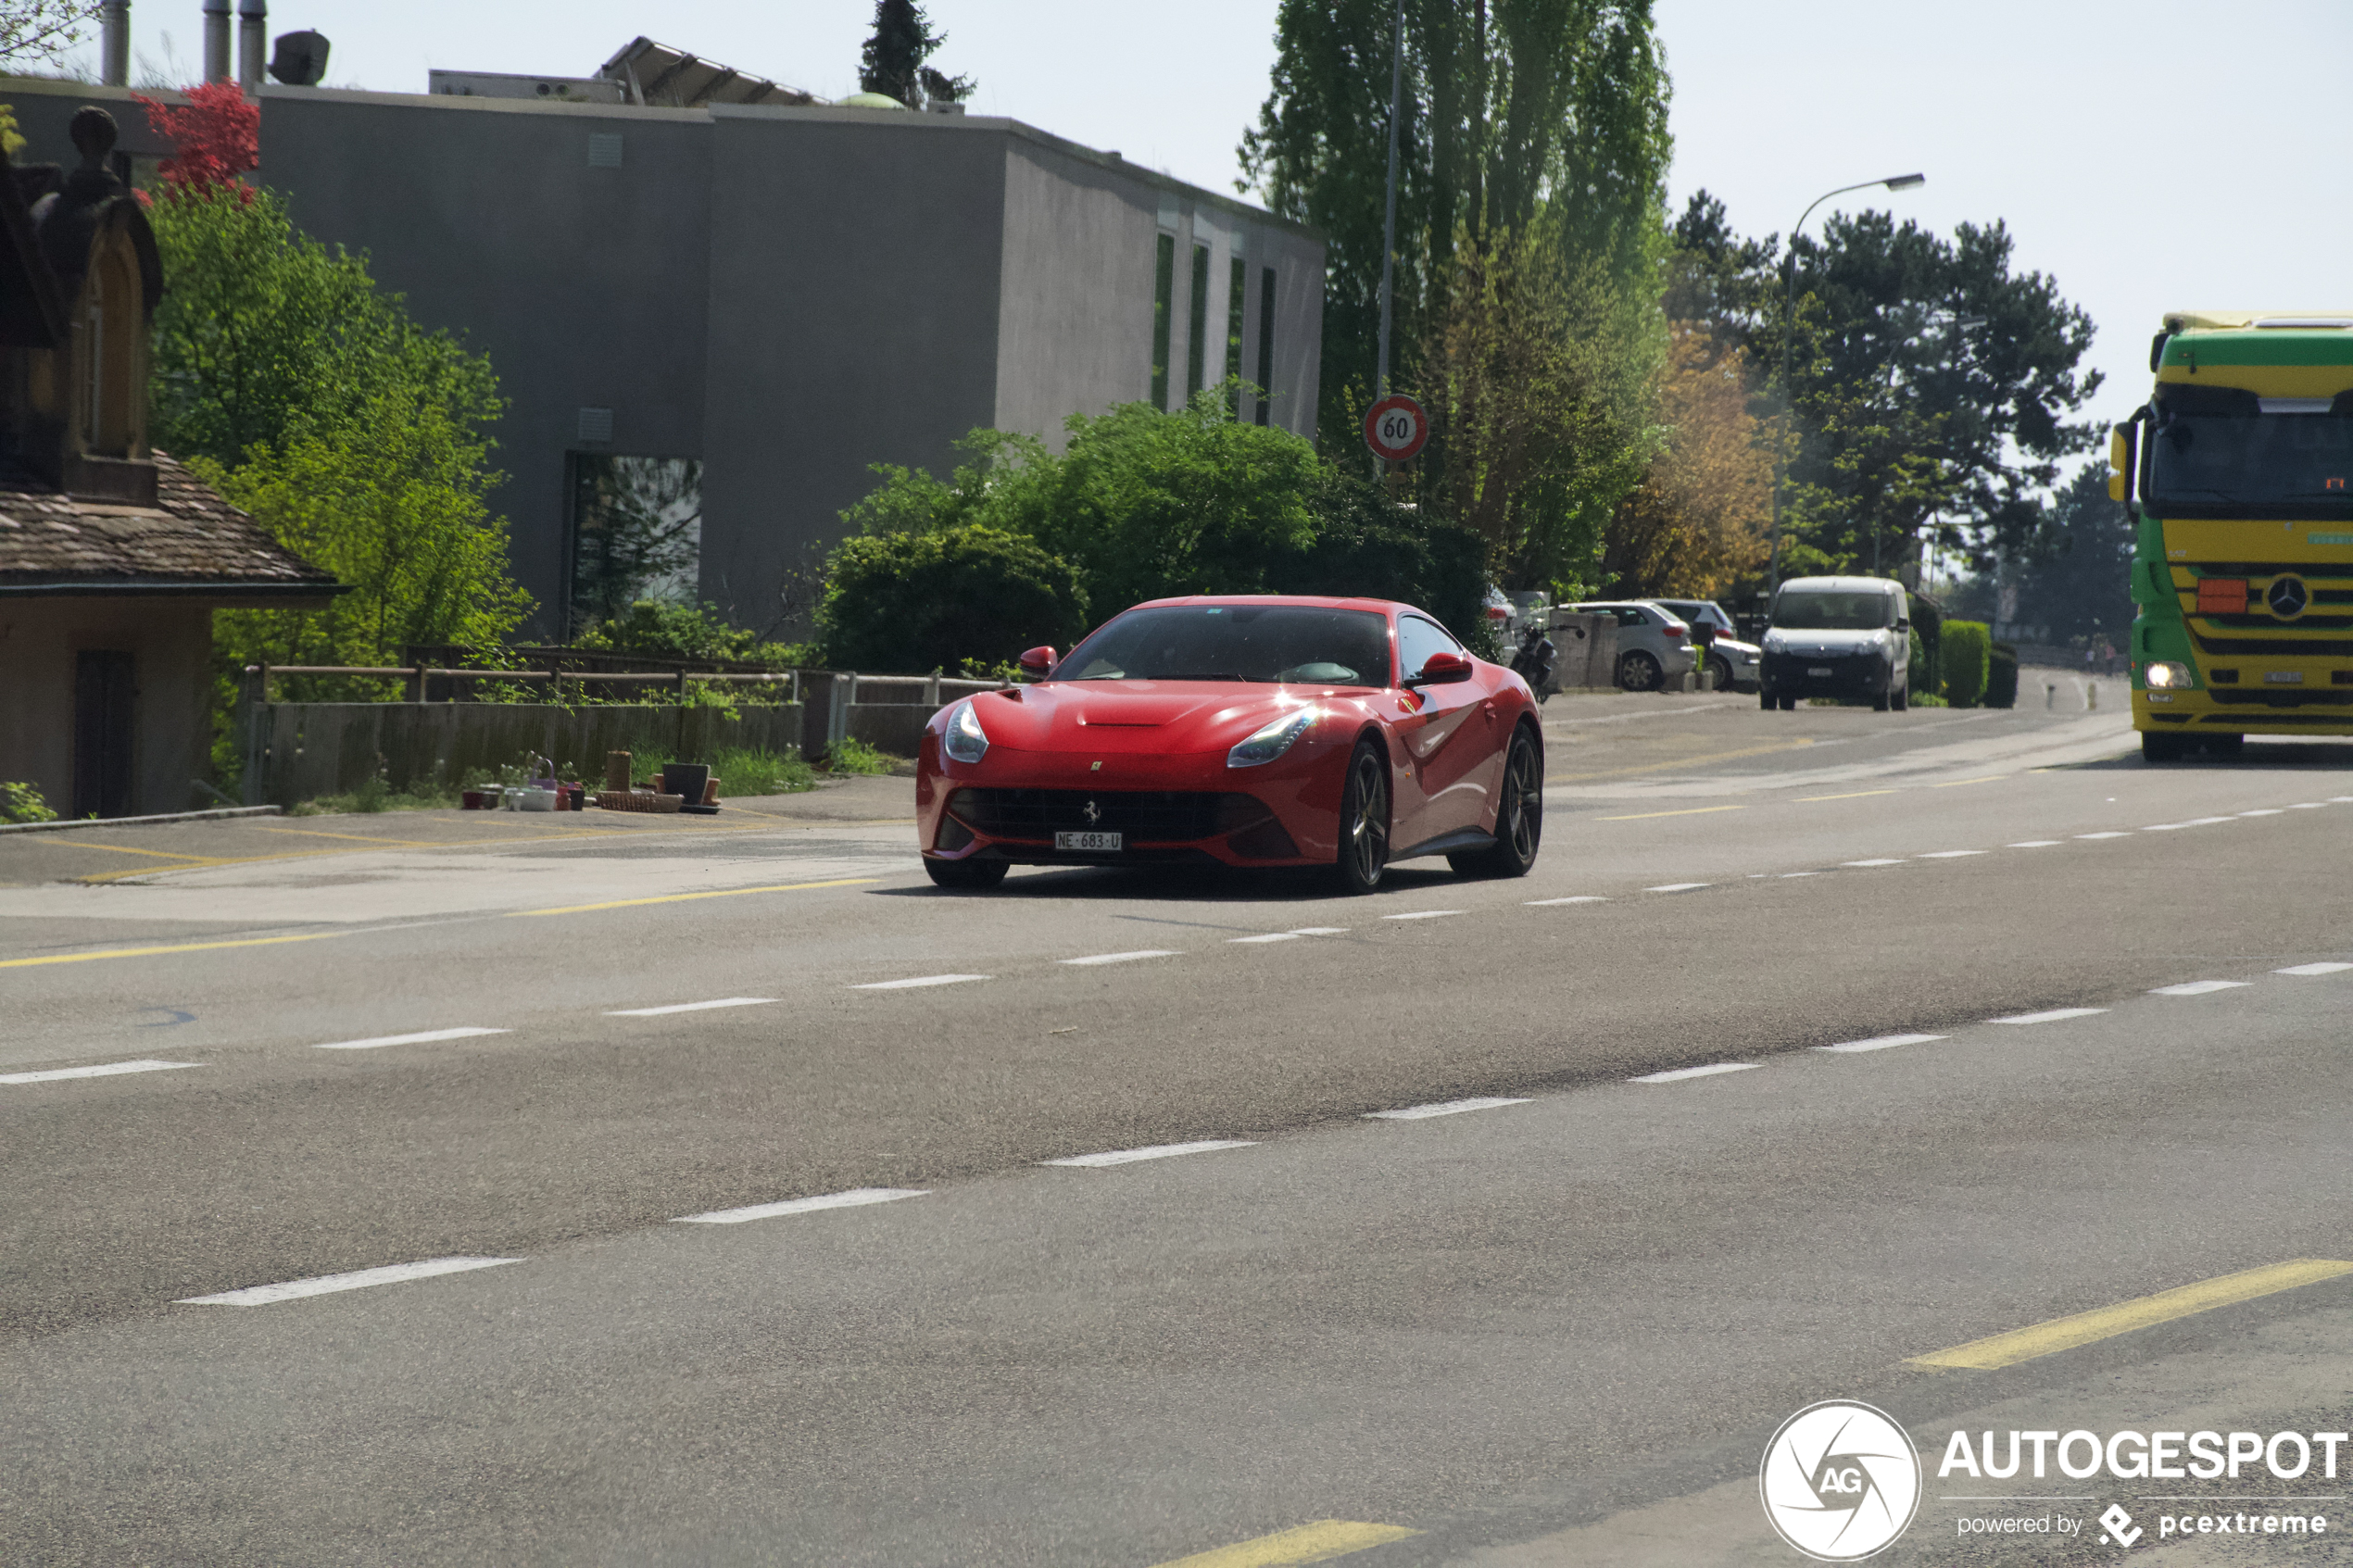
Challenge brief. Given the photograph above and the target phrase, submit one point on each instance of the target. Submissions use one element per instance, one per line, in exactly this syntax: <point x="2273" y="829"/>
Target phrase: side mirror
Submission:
<point x="1903" y="624"/>
<point x="1442" y="668"/>
<point x="2120" y="464"/>
<point x="1038" y="663"/>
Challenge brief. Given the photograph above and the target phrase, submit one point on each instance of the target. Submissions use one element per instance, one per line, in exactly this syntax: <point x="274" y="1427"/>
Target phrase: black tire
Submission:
<point x="1364" y="821"/>
<point x="2225" y="746"/>
<point x="1638" y="672"/>
<point x="1902" y="697"/>
<point x="1723" y="673"/>
<point x="966" y="876"/>
<point x="1519" y="817"/>
<point x="1764" y="700"/>
<point x="2156" y="748"/>
<point x="1789" y="704"/>
<point x="1886" y="699"/>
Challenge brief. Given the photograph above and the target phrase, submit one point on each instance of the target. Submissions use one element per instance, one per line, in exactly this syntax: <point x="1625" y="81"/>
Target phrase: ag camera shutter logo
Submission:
<point x="1839" y="1481"/>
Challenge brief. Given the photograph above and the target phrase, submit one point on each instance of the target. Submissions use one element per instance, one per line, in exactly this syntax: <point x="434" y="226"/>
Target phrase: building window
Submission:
<point x="636" y="533"/>
<point x="1236" y="287"/>
<point x="1266" y="341"/>
<point x="1197" y="332"/>
<point x="1163" y="303"/>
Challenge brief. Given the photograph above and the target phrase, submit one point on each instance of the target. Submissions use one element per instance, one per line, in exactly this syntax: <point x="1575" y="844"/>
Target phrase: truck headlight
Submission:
<point x="2165" y="675"/>
<point x="1272" y="739"/>
<point x="964" y="740"/>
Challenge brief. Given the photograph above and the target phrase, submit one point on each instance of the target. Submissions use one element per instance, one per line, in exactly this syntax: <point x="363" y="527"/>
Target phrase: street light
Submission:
<point x="1789" y="307"/>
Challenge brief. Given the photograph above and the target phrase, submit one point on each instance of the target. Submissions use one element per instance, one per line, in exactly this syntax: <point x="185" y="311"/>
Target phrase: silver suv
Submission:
<point x="1736" y="663"/>
<point x="1654" y="645"/>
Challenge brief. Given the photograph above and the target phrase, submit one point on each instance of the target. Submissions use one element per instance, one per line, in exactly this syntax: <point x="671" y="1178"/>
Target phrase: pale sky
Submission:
<point x="2148" y="153"/>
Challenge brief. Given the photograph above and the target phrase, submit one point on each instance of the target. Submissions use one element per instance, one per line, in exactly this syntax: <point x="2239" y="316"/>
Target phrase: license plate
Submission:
<point x="2284" y="677"/>
<point x="1089" y="841"/>
<point x="1820" y="670"/>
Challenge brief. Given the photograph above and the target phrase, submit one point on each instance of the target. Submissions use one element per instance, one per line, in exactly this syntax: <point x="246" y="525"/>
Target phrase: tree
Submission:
<point x="1545" y="105"/>
<point x="2072" y="576"/>
<point x="40" y="31"/>
<point x="215" y="137"/>
<point x="1930" y="386"/>
<point x="639" y="521"/>
<point x="1696" y="525"/>
<point x="892" y="63"/>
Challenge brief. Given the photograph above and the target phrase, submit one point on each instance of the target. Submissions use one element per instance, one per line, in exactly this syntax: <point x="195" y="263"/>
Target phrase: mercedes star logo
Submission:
<point x="2287" y="598"/>
<point x="1092" y="812"/>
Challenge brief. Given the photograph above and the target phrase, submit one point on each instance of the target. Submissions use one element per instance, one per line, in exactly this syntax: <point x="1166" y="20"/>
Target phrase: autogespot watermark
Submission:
<point x="1841" y="1482"/>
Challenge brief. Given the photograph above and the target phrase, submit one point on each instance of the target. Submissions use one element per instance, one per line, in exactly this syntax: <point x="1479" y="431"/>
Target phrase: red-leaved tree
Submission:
<point x="215" y="136"/>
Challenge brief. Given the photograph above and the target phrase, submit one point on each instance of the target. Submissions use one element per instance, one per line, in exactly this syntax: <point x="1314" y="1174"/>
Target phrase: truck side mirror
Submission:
<point x="2120" y="464"/>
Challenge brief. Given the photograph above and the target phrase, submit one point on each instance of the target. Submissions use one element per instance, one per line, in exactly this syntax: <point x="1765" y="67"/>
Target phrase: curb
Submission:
<point x="219" y="814"/>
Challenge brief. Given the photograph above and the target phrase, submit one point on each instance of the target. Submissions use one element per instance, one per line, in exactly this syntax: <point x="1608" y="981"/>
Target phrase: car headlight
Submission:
<point x="964" y="741"/>
<point x="1272" y="739"/>
<point x="2165" y="675"/>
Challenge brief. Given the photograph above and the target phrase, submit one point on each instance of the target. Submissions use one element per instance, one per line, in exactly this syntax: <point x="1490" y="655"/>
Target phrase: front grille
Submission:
<point x="2249" y="648"/>
<point x="2276" y="698"/>
<point x="1159" y="816"/>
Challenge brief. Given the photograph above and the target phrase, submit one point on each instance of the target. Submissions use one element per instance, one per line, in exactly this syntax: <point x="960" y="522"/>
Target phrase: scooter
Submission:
<point x="1535" y="660"/>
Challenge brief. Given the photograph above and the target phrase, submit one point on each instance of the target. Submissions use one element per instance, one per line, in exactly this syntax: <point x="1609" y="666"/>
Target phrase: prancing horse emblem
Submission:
<point x="1092" y="812"/>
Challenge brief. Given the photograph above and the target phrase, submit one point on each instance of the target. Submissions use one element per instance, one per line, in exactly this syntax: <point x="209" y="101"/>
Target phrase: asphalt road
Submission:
<point x="1555" y="1330"/>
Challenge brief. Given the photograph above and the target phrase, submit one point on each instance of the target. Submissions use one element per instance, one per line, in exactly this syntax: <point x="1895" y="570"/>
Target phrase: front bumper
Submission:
<point x="1168" y="809"/>
<point x="2318" y="706"/>
<point x="1849" y="675"/>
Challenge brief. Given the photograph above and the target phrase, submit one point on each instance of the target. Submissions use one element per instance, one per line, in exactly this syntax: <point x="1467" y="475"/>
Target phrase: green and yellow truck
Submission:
<point x="2239" y="471"/>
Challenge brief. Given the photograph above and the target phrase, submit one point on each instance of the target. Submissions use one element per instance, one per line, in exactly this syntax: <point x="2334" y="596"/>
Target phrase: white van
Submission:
<point x="1843" y="638"/>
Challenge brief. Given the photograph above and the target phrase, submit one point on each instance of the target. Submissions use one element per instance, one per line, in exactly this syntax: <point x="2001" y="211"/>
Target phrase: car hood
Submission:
<point x="1106" y="718"/>
<point x="1747" y="650"/>
<point x="1818" y="643"/>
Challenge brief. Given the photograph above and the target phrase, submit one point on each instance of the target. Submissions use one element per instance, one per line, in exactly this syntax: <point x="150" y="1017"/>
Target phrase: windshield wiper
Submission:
<point x="1205" y="675"/>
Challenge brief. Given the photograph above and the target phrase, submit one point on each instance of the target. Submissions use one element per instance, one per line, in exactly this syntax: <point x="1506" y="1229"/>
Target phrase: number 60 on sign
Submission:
<point x="1396" y="428"/>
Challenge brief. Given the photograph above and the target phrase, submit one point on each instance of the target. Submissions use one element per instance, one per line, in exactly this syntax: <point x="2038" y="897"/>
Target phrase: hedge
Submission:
<point x="1965" y="654"/>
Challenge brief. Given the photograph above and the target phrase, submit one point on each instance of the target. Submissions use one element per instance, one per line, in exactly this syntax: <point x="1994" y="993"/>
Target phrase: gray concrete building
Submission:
<point x="710" y="322"/>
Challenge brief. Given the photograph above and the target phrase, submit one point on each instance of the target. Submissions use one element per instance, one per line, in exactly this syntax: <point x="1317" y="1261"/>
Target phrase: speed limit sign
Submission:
<point x="1395" y="428"/>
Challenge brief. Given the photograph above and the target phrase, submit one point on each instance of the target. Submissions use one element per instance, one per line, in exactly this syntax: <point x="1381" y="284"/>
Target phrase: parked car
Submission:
<point x="1736" y="663"/>
<point x="1843" y="638"/>
<point x="1246" y="730"/>
<point x="1654" y="647"/>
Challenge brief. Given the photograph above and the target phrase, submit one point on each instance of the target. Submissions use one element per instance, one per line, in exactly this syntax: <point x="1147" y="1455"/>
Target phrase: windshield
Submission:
<point x="1330" y="647"/>
<point x="1815" y="610"/>
<point x="2234" y="456"/>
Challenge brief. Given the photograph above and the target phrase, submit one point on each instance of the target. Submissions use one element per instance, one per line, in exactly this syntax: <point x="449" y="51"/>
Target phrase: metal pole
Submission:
<point x="1389" y="224"/>
<point x="216" y="41"/>
<point x="114" y="43"/>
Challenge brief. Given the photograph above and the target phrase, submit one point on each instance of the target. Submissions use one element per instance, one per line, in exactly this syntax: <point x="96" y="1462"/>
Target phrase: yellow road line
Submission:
<point x="176" y="948"/>
<point x="126" y="849"/>
<point x="1956" y="783"/>
<point x="1319" y="1542"/>
<point x="1682" y="762"/>
<point x="364" y="839"/>
<point x="2065" y="1334"/>
<point x="1857" y="796"/>
<point x="1694" y="811"/>
<point x="682" y="898"/>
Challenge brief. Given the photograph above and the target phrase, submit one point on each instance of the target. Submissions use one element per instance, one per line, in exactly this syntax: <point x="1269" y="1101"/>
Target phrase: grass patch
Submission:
<point x="744" y="770"/>
<point x="377" y="796"/>
<point x="856" y="756"/>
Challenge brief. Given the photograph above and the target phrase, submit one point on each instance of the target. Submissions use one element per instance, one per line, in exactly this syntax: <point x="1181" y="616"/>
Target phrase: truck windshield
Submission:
<point x="2239" y="459"/>
<point x="1814" y="610"/>
<point x="1305" y="643"/>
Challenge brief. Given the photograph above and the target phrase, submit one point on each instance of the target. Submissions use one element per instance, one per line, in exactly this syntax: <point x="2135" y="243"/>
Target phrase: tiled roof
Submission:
<point x="191" y="539"/>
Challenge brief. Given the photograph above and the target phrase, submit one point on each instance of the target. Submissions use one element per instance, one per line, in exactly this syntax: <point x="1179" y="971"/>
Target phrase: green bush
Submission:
<point x="911" y="602"/>
<point x="2001" y="679"/>
<point x="1966" y="653"/>
<point x="653" y="630"/>
<point x="22" y="803"/>
<point x="1919" y="679"/>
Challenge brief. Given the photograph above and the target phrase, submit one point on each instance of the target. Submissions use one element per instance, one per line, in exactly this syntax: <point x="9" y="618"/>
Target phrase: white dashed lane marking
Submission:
<point x="1293" y="936"/>
<point x="2197" y="988"/>
<point x="104" y="1069"/>
<point x="2266" y="811"/>
<point x="1951" y="853"/>
<point x="2111" y="834"/>
<point x="1870" y="862"/>
<point x="1677" y="887"/>
<point x="692" y="1006"/>
<point x="2314" y="968"/>
<point x="919" y="980"/>
<point x="1881" y="1043"/>
<point x="1573" y="898"/>
<point x="2309" y="806"/>
<point x="1127" y="958"/>
<point x="1680" y="1073"/>
<point x="2036" y="844"/>
<point x="1423" y="914"/>
<point x="1156" y="1151"/>
<point x="856" y="1198"/>
<point x="293" y="1289"/>
<point x="2054" y="1015"/>
<point x="1443" y="1108"/>
<point x="425" y="1038"/>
